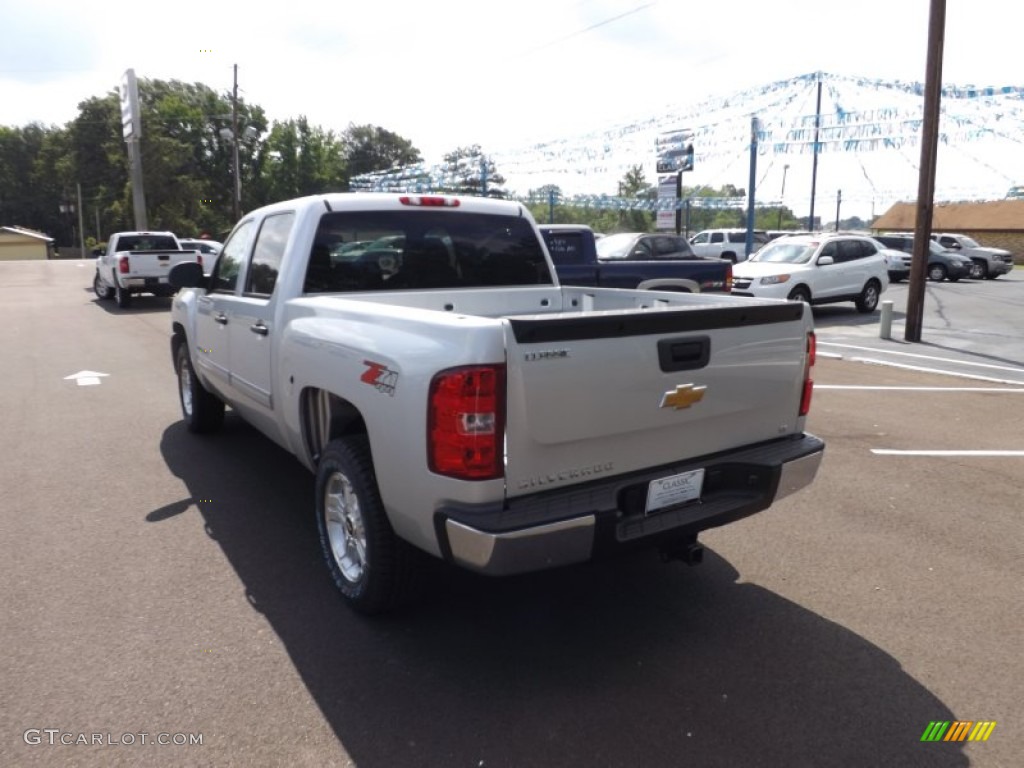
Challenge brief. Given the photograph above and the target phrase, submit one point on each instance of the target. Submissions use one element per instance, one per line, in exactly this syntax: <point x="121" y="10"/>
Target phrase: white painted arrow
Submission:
<point x="86" y="378"/>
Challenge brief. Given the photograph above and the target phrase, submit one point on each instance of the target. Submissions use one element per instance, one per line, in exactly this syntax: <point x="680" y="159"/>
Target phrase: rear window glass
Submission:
<point x="565" y="247"/>
<point x="147" y="243"/>
<point x="406" y="250"/>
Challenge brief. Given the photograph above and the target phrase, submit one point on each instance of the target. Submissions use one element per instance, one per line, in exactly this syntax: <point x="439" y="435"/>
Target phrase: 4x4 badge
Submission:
<point x="682" y="396"/>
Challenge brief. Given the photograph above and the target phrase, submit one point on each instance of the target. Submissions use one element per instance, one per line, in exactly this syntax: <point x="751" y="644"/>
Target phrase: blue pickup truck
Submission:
<point x="633" y="260"/>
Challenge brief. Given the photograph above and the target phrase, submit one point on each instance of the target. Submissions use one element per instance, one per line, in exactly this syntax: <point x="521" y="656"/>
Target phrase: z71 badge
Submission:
<point x="380" y="377"/>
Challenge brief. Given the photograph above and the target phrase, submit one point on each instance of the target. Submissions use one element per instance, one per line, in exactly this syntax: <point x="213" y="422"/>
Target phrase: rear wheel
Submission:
<point x="868" y="299"/>
<point x="372" y="568"/>
<point x="101" y="289"/>
<point x="122" y="296"/>
<point x="800" y="293"/>
<point x="936" y="272"/>
<point x="202" y="410"/>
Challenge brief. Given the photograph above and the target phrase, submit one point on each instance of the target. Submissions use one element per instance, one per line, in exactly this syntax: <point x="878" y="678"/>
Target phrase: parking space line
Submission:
<point x="892" y="452"/>
<point x="920" y="389"/>
<point x="944" y="372"/>
<point x="1015" y="369"/>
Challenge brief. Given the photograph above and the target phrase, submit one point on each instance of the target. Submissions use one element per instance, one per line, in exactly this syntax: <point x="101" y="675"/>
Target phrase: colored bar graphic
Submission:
<point x="958" y="730"/>
<point x="982" y="731"/>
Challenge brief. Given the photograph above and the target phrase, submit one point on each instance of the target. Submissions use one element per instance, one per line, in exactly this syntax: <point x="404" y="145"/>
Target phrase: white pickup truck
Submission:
<point x="138" y="262"/>
<point x="419" y="356"/>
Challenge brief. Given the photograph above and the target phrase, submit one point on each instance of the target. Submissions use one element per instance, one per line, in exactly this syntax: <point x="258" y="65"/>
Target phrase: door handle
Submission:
<point x="259" y="328"/>
<point x="221" y="318"/>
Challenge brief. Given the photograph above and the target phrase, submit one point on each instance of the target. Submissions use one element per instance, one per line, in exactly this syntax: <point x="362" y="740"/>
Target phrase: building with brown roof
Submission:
<point x="995" y="223"/>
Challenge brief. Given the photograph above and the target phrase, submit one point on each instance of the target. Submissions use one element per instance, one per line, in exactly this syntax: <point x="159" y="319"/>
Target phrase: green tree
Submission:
<point x="370" y="148"/>
<point x="466" y="170"/>
<point x="635" y="186"/>
<point x="299" y="159"/>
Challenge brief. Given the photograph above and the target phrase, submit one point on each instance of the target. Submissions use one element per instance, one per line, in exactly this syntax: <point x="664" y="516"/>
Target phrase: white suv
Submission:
<point x="728" y="244"/>
<point x="818" y="269"/>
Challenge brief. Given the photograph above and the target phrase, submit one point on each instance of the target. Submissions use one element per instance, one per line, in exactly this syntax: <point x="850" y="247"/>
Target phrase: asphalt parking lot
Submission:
<point x="157" y="583"/>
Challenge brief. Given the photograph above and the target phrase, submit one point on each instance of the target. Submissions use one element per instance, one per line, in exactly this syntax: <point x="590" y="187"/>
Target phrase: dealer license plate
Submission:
<point x="677" y="489"/>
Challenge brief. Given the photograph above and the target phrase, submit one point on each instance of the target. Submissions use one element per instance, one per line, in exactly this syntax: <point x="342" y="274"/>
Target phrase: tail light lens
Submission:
<point x="466" y="423"/>
<point x="812" y="351"/>
<point x="122" y="265"/>
<point x="728" y="277"/>
<point x="429" y="201"/>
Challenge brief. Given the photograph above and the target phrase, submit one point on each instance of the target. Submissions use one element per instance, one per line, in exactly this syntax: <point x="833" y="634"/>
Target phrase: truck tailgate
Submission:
<point x="153" y="263"/>
<point x="599" y="394"/>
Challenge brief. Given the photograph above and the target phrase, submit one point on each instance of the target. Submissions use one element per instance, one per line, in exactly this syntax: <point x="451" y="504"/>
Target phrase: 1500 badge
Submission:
<point x="379" y="376"/>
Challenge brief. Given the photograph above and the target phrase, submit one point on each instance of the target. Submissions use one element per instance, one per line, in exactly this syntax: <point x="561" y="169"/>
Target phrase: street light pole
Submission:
<point x="236" y="202"/>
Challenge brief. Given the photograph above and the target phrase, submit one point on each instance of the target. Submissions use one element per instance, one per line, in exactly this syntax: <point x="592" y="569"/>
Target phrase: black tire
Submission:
<point x="123" y="297"/>
<point x="202" y="410"/>
<point x="936" y="272"/>
<point x="800" y="293"/>
<point x="374" y="570"/>
<point x="990" y="275"/>
<point x="868" y="299"/>
<point x="979" y="270"/>
<point x="101" y="289"/>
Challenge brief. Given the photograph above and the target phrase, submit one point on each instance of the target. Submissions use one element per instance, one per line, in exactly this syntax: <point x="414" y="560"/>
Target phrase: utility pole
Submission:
<point x="926" y="176"/>
<point x="81" y="226"/>
<point x="236" y="203"/>
<point x="782" y="196"/>
<point x="754" y="127"/>
<point x="839" y="202"/>
<point x="814" y="168"/>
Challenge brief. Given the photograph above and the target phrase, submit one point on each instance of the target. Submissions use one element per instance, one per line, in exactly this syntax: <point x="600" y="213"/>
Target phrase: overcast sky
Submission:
<point x="454" y="72"/>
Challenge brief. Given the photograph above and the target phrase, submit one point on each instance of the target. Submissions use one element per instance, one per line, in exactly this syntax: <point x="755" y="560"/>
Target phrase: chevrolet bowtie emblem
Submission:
<point x="682" y="396"/>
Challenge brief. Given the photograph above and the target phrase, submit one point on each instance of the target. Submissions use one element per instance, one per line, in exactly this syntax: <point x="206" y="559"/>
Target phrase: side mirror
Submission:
<point x="823" y="261"/>
<point x="188" y="274"/>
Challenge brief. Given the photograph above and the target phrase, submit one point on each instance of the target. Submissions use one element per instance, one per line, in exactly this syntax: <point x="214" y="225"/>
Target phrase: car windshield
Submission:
<point x="786" y="253"/>
<point x="615" y="246"/>
<point x="967" y="242"/>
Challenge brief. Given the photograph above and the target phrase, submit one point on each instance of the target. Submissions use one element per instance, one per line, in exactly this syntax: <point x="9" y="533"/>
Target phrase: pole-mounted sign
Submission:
<point x="675" y="151"/>
<point x="131" y="122"/>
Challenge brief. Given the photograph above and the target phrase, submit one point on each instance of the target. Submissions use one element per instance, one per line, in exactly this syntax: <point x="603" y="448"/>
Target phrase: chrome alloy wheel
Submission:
<point x="185" y="385"/>
<point x="345" y="529"/>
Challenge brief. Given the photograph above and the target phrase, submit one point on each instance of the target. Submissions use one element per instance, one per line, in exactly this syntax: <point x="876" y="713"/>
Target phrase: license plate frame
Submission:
<point x="674" y="490"/>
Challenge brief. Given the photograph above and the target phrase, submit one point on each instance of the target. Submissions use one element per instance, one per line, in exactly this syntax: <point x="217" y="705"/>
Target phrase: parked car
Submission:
<point x="728" y="244"/>
<point x="204" y="246"/>
<point x="990" y="262"/>
<point x="943" y="264"/>
<point x="897" y="261"/>
<point x="643" y="247"/>
<point x="818" y="269"/>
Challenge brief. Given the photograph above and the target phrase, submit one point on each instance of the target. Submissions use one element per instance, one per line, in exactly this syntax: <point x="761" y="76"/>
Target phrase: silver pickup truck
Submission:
<point x="419" y="356"/>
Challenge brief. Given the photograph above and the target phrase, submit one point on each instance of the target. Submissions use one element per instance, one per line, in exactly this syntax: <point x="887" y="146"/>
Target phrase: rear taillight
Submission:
<point x="199" y="259"/>
<point x="728" y="277"/>
<point x="122" y="265"/>
<point x="466" y="422"/>
<point x="812" y="351"/>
